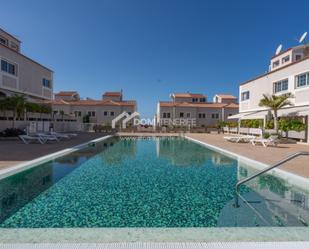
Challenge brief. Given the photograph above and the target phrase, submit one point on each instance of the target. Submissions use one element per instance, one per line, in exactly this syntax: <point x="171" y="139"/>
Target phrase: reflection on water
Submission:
<point x="19" y="189"/>
<point x="127" y="184"/>
<point x="288" y="202"/>
<point x="182" y="152"/>
<point x="122" y="151"/>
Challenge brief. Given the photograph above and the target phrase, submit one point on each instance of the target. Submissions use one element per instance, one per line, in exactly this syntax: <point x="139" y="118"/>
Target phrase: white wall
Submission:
<point x="264" y="85"/>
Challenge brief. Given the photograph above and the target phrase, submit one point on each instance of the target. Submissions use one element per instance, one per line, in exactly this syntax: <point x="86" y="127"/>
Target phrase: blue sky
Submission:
<point x="150" y="48"/>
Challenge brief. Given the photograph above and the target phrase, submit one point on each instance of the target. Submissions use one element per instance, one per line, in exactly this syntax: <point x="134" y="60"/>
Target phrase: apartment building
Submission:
<point x="195" y="109"/>
<point x="288" y="73"/>
<point x="101" y="111"/>
<point x="20" y="74"/>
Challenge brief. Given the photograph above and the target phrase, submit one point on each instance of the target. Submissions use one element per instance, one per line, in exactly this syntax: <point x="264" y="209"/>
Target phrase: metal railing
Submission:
<point x="290" y="157"/>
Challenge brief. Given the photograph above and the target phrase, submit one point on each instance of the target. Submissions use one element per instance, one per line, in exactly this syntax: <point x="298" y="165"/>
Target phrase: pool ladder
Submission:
<point x="290" y="157"/>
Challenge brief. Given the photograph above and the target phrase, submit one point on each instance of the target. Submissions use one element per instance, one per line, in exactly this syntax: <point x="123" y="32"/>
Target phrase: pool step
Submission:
<point x="267" y="209"/>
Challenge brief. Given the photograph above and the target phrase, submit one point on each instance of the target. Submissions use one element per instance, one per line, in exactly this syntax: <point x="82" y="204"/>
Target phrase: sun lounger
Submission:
<point x="46" y="137"/>
<point x="60" y="135"/>
<point x="271" y="141"/>
<point x="27" y="139"/>
<point x="63" y="134"/>
<point x="238" y="139"/>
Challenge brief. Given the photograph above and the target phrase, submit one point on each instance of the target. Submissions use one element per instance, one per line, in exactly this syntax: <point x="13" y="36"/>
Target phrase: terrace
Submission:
<point x="269" y="155"/>
<point x="13" y="152"/>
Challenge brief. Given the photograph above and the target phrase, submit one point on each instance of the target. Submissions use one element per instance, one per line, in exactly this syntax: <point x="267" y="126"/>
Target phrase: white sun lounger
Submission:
<point x="238" y="139"/>
<point x="271" y="141"/>
<point x="27" y="139"/>
<point x="69" y="135"/>
<point x="60" y="135"/>
<point x="46" y="137"/>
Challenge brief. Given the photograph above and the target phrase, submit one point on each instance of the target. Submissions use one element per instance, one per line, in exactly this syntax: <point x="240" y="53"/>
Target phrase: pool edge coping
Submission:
<point x="163" y="235"/>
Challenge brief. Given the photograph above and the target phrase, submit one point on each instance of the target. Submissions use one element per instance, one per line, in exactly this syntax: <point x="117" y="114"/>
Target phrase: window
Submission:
<point x="181" y="114"/>
<point x="302" y="80"/>
<point x="166" y="115"/>
<point x="194" y="99"/>
<point x="188" y="115"/>
<point x="14" y="46"/>
<point x="276" y="63"/>
<point x="286" y="59"/>
<point x="202" y="99"/>
<point x="46" y="83"/>
<point x="78" y="113"/>
<point x="202" y="115"/>
<point x="105" y="113"/>
<point x="91" y="113"/>
<point x="8" y="67"/>
<point x="3" y="40"/>
<point x="281" y="85"/>
<point x="215" y="115"/>
<point x="4" y="66"/>
<point x="297" y="57"/>
<point x="112" y="113"/>
<point x="245" y="95"/>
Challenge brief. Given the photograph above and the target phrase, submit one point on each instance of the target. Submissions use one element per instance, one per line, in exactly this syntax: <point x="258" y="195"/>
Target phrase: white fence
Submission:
<point x="258" y="132"/>
<point x="36" y="126"/>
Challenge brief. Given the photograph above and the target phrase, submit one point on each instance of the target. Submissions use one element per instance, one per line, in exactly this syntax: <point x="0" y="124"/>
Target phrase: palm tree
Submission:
<point x="4" y="105"/>
<point x="62" y="114"/>
<point x="31" y="107"/>
<point x="274" y="103"/>
<point x="17" y="104"/>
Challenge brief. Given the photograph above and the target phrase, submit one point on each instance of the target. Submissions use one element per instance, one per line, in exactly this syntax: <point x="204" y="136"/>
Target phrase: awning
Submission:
<point x="288" y="111"/>
<point x="236" y="116"/>
<point x="250" y="115"/>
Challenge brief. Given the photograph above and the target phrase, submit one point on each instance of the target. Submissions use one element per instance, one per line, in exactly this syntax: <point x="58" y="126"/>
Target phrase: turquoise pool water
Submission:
<point x="128" y="183"/>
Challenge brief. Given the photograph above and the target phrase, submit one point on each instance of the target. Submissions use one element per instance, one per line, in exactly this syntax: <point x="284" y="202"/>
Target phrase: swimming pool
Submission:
<point x="153" y="182"/>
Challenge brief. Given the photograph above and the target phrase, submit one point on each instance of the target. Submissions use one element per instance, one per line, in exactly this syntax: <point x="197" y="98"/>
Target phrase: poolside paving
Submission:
<point x="269" y="155"/>
<point x="13" y="152"/>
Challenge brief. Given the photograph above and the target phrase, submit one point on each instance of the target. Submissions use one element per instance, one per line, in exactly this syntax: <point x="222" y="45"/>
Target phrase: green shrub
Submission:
<point x="86" y="119"/>
<point x="270" y="124"/>
<point x="266" y="135"/>
<point x="251" y="123"/>
<point x="294" y="124"/>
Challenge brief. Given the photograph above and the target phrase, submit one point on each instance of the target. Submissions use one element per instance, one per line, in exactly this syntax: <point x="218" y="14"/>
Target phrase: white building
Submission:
<point x="288" y="73"/>
<point x="21" y="75"/>
<point x="194" y="107"/>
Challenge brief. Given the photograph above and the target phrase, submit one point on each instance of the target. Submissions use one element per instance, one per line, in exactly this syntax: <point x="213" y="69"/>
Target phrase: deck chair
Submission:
<point x="271" y="141"/>
<point x="27" y="139"/>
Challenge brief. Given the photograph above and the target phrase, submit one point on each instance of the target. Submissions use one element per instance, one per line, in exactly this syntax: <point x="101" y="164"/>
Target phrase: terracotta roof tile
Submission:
<point x="227" y="96"/>
<point x="93" y="103"/>
<point x="66" y="93"/>
<point x="189" y="95"/>
<point x="113" y="94"/>
<point x="199" y="105"/>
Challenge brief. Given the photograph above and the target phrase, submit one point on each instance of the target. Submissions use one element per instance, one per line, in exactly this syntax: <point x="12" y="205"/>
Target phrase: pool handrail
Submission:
<point x="288" y="158"/>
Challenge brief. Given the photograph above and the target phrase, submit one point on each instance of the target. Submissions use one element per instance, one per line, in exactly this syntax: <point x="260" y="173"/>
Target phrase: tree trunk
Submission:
<point x="14" y="119"/>
<point x="276" y="121"/>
